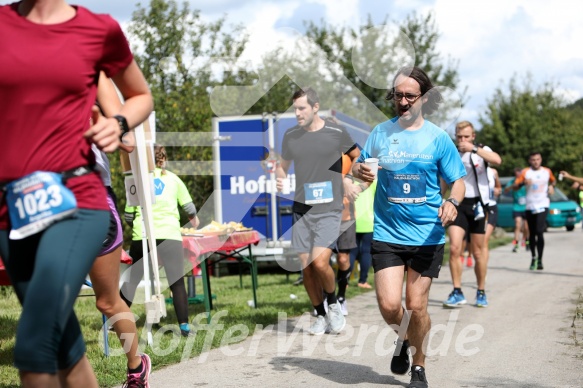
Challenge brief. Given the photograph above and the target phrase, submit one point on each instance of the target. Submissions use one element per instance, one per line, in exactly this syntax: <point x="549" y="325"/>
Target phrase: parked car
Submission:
<point x="563" y="212"/>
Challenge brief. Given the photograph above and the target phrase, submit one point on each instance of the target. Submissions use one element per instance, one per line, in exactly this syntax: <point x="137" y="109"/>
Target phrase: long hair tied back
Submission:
<point x="160" y="157"/>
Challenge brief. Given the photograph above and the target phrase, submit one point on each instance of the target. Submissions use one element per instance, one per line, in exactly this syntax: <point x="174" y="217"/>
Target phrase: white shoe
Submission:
<point x="335" y="318"/>
<point x="318" y="327"/>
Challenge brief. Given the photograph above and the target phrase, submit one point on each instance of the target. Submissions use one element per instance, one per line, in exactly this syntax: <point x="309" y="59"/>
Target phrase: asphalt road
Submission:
<point x="524" y="339"/>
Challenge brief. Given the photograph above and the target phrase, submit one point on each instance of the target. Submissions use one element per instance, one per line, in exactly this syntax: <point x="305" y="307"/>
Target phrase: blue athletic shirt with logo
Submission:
<point x="408" y="193"/>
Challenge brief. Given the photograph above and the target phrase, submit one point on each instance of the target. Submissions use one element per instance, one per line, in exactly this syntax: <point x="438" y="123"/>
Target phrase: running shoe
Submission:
<point x="469" y="261"/>
<point x="539" y="265"/>
<point x="319" y="327"/>
<point x="515" y="249"/>
<point x="456" y="298"/>
<point x="186" y="333"/>
<point x="140" y="380"/>
<point x="533" y="264"/>
<point x="336" y="320"/>
<point x="400" y="362"/>
<point x="343" y="306"/>
<point x="418" y="379"/>
<point x="481" y="299"/>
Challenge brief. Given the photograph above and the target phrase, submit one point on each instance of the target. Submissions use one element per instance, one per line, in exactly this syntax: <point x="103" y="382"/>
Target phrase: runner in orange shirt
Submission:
<point x="540" y="183"/>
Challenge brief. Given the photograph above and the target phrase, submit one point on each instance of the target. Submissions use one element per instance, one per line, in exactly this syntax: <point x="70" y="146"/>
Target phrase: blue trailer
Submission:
<point x="245" y="158"/>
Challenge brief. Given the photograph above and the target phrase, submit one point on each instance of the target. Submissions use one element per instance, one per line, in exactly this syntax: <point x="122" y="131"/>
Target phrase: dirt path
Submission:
<point x="524" y="339"/>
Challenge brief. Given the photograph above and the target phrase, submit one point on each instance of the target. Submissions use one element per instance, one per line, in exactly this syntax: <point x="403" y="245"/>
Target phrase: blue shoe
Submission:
<point x="481" y="299"/>
<point x="456" y="298"/>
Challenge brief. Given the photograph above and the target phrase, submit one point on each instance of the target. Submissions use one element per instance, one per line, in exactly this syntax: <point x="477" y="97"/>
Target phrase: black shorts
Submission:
<point x="465" y="217"/>
<point x="537" y="222"/>
<point x="516" y="214"/>
<point x="425" y="260"/>
<point x="347" y="240"/>
<point x="492" y="215"/>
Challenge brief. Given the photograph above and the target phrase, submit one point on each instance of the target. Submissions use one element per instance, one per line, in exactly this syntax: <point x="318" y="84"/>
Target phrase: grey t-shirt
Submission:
<point x="317" y="158"/>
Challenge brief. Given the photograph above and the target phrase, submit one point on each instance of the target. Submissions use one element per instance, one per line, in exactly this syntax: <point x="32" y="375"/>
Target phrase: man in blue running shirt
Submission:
<point x="409" y="213"/>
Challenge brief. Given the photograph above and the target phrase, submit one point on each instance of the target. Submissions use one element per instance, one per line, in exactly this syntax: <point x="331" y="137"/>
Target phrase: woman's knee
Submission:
<point x="178" y="286"/>
<point x="109" y="305"/>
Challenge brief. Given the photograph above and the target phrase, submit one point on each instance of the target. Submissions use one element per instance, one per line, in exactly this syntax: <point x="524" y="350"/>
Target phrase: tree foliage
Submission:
<point x="370" y="55"/>
<point x="175" y="49"/>
<point x="523" y="118"/>
<point x="350" y="67"/>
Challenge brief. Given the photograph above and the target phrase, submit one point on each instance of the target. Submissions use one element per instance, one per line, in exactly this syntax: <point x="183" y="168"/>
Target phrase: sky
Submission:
<point x="493" y="41"/>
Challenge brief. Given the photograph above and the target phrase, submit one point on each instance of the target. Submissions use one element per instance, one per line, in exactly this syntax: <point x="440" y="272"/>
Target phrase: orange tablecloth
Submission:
<point x="194" y="247"/>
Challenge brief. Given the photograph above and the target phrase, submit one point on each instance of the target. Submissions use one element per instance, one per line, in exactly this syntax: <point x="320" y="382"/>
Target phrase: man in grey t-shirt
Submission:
<point x="316" y="146"/>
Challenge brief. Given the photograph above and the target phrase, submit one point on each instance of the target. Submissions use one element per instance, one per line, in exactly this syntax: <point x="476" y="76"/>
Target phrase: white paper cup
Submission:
<point x="373" y="163"/>
<point x="286" y="189"/>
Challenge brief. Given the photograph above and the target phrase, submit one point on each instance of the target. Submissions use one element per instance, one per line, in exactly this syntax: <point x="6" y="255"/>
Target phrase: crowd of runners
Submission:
<point x="360" y="201"/>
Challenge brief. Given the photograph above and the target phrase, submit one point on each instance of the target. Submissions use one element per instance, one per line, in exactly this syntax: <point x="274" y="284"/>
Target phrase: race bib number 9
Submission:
<point x="406" y="188"/>
<point x="320" y="192"/>
<point x="36" y="201"/>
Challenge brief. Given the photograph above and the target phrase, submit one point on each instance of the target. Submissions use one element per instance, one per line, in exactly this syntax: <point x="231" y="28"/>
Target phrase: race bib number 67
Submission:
<point x="36" y="201"/>
<point x="320" y="192"/>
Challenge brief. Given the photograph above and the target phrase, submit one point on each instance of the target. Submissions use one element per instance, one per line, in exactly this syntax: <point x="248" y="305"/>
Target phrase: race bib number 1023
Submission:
<point x="36" y="201"/>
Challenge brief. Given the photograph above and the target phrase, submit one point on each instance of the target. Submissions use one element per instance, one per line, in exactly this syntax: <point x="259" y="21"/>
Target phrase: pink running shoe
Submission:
<point x="140" y="380"/>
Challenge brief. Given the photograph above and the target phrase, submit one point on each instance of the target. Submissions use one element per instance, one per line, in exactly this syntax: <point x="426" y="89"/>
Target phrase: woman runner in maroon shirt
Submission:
<point x="52" y="54"/>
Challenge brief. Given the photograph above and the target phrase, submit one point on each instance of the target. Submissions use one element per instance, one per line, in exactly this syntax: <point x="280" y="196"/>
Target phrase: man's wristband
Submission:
<point x="349" y="176"/>
<point x="453" y="201"/>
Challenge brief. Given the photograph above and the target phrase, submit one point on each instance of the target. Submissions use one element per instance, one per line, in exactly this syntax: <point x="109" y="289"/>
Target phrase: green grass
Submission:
<point x="273" y="297"/>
